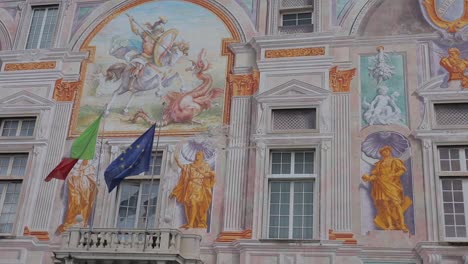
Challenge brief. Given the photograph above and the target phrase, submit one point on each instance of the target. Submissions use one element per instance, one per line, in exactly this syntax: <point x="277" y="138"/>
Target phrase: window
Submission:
<point x="43" y="24"/>
<point x="297" y="19"/>
<point x="294" y="119"/>
<point x="12" y="171"/>
<point x="453" y="172"/>
<point x="138" y="197"/>
<point x="291" y="194"/>
<point x="17" y="127"/>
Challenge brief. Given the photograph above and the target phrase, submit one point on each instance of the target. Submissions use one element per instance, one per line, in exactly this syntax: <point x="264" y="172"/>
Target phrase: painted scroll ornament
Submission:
<point x="449" y="17"/>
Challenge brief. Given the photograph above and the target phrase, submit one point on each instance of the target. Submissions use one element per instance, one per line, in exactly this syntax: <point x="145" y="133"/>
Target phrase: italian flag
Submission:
<point x="82" y="148"/>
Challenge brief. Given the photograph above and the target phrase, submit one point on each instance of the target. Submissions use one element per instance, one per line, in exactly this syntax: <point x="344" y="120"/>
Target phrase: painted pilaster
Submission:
<point x="47" y="190"/>
<point x="341" y="176"/>
<point x="237" y="165"/>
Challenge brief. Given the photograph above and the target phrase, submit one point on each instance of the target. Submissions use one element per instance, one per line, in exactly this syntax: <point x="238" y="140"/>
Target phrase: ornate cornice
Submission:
<point x="297" y="52"/>
<point x="340" y="81"/>
<point x="245" y="84"/>
<point x="30" y="66"/>
<point x="65" y="91"/>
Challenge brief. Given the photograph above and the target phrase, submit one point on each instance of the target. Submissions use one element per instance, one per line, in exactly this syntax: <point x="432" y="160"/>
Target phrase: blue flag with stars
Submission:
<point x="133" y="161"/>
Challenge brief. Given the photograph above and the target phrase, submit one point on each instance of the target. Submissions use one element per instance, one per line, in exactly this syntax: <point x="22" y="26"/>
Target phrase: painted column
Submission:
<point x="237" y="165"/>
<point x="341" y="177"/>
<point x="45" y="200"/>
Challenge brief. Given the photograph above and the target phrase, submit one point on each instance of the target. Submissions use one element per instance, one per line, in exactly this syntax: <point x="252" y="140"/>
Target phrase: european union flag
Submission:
<point x="133" y="161"/>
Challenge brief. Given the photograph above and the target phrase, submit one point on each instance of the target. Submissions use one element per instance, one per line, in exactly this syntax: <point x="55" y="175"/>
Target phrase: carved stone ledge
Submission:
<point x="297" y="52"/>
<point x="30" y="66"/>
<point x="232" y="236"/>
<point x="65" y="91"/>
<point x="340" y="81"/>
<point x="41" y="235"/>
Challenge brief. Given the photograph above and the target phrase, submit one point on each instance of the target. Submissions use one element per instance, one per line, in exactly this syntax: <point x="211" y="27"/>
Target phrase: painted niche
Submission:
<point x="383" y="93"/>
<point x="387" y="185"/>
<point x="150" y="64"/>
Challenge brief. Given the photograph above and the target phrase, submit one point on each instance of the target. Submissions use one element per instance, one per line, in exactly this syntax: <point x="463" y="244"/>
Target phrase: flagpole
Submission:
<point x="93" y="214"/>
<point x="151" y="184"/>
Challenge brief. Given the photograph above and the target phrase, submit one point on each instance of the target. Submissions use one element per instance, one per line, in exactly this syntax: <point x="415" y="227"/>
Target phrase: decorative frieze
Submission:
<point x="340" y="81"/>
<point x="65" y="91"/>
<point x="297" y="52"/>
<point x="30" y="66"/>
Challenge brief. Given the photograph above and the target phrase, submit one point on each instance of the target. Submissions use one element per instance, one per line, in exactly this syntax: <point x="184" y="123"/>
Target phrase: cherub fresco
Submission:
<point x="383" y="109"/>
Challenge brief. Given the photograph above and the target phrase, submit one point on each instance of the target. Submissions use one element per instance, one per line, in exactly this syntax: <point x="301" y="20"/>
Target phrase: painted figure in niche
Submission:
<point x="82" y="191"/>
<point x="387" y="191"/>
<point x="194" y="190"/>
<point x="455" y="66"/>
<point x="383" y="109"/>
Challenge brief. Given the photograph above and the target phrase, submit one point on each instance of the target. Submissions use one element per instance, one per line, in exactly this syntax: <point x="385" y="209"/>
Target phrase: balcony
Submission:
<point x="128" y="246"/>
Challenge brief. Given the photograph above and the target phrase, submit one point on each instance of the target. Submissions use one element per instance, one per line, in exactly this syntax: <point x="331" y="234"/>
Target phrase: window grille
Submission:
<point x="451" y="114"/>
<point x="296" y="3"/>
<point x="294" y="119"/>
<point x="43" y="25"/>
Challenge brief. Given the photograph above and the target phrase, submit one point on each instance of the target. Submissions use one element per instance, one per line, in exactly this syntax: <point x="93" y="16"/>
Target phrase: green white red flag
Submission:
<point x="83" y="148"/>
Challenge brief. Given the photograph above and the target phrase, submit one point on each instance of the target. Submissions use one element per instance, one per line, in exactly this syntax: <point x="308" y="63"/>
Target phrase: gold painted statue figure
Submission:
<point x="455" y="66"/>
<point x="82" y="191"/>
<point x="387" y="191"/>
<point x="194" y="190"/>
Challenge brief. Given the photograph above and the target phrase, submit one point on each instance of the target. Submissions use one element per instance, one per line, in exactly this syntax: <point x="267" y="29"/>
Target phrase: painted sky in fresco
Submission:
<point x="196" y="25"/>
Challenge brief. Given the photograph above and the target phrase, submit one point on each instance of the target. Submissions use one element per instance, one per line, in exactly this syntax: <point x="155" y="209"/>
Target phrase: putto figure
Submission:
<point x="194" y="190"/>
<point x="455" y="67"/>
<point x="383" y="110"/>
<point x="387" y="191"/>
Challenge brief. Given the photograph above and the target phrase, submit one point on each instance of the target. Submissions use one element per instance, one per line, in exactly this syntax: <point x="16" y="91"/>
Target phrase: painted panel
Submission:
<point x="387" y="187"/>
<point x="383" y="94"/>
<point x="152" y="65"/>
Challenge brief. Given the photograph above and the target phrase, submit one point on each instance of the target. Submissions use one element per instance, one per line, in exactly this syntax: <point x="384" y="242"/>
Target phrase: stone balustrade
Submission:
<point x="171" y="245"/>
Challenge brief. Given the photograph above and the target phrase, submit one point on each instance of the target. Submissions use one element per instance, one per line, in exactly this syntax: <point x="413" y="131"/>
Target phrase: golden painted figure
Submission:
<point x="455" y="66"/>
<point x="194" y="190"/>
<point x="82" y="191"/>
<point x="387" y="191"/>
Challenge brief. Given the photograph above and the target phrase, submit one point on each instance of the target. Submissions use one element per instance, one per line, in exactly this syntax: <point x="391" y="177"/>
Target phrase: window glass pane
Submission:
<point x="9" y="128"/>
<point x="453" y="204"/>
<point x="304" y="22"/>
<point x="289" y="22"/>
<point x="304" y="16"/>
<point x="279" y="210"/>
<point x="449" y="159"/>
<point x="4" y="164"/>
<point x="148" y="203"/>
<point x="155" y="165"/>
<point x="10" y="205"/>
<point x="27" y="127"/>
<point x="128" y="204"/>
<point x="290" y="17"/>
<point x="49" y="27"/>
<point x="19" y="165"/>
<point x="281" y="163"/>
<point x="303" y="209"/>
<point x="36" y="27"/>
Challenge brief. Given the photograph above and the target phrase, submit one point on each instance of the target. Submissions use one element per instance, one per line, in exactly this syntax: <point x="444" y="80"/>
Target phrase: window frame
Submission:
<point x="281" y="107"/>
<point x="21" y="119"/>
<point x="293" y="178"/>
<point x="15" y="179"/>
<point x="55" y="31"/>
<point x="297" y="12"/>
<point x="440" y="175"/>
<point x="142" y="178"/>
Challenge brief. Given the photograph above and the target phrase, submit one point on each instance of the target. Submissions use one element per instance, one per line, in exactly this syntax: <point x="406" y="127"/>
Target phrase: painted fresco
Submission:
<point x="383" y="95"/>
<point x="192" y="183"/>
<point x="387" y="187"/>
<point x="151" y="65"/>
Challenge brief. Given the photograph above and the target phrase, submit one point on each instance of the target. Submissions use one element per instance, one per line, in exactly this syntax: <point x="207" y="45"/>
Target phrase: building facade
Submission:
<point x="287" y="131"/>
